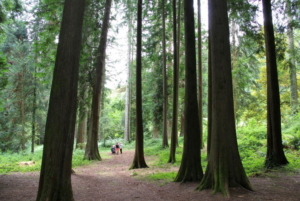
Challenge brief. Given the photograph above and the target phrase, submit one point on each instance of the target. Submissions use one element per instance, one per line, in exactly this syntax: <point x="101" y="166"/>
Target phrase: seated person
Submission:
<point x="113" y="149"/>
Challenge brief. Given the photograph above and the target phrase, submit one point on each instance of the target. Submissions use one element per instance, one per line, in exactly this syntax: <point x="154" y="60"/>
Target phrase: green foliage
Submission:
<point x="12" y="162"/>
<point x="77" y="159"/>
<point x="164" y="177"/>
<point x="251" y="141"/>
<point x="112" y="118"/>
<point x="291" y="132"/>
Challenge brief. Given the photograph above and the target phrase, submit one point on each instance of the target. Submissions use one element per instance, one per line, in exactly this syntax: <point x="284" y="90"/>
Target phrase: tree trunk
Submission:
<point x="174" y="134"/>
<point x="190" y="168"/>
<point x="33" y="113"/>
<point x="224" y="167"/>
<point x="209" y="102"/>
<point x="127" y="130"/>
<point x="139" y="159"/>
<point x="178" y="64"/>
<point x="234" y="66"/>
<point x="23" y="134"/>
<point x="101" y="134"/>
<point x="165" y="91"/>
<point x="82" y="120"/>
<point x="55" y="176"/>
<point x="275" y="155"/>
<point x="292" y="61"/>
<point x="92" y="151"/>
<point x="182" y="125"/>
<point x="200" y="102"/>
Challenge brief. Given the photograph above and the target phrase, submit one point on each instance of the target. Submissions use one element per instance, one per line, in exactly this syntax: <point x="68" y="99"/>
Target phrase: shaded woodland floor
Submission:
<point x="110" y="180"/>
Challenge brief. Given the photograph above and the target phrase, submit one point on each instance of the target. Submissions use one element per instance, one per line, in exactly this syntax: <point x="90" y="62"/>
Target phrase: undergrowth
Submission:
<point x="251" y="141"/>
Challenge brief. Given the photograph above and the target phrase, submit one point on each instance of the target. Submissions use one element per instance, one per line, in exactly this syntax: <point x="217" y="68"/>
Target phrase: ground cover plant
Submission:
<point x="159" y="177"/>
<point x="251" y="140"/>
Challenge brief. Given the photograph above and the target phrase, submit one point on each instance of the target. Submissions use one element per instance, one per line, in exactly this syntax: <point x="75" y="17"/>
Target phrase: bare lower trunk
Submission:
<point x="55" y="176"/>
<point x="224" y="169"/>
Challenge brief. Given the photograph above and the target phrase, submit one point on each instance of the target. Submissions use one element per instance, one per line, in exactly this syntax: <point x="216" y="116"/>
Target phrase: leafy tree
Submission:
<point x="91" y="151"/>
<point x="16" y="87"/>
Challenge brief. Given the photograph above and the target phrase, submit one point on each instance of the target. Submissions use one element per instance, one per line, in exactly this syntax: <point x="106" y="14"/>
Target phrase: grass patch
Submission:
<point x="10" y="162"/>
<point x="162" y="177"/>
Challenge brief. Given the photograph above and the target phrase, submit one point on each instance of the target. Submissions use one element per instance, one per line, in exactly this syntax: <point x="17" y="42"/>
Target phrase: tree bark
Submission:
<point x="209" y="102"/>
<point x="200" y="83"/>
<point x="82" y="120"/>
<point x="190" y="168"/>
<point x="292" y="61"/>
<point x="22" y="104"/>
<point x="92" y="151"/>
<point x="234" y="66"/>
<point x="165" y="91"/>
<point x="224" y="167"/>
<point x="33" y="114"/>
<point x="139" y="159"/>
<point x="174" y="133"/>
<point x="275" y="155"/>
<point x="55" y="176"/>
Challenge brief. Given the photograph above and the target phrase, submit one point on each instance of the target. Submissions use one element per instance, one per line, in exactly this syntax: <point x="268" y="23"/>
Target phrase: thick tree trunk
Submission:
<point x="224" y="167"/>
<point x="139" y="159"/>
<point x="275" y="155"/>
<point x="92" y="151"/>
<point x="190" y="168"/>
<point x="55" y="176"/>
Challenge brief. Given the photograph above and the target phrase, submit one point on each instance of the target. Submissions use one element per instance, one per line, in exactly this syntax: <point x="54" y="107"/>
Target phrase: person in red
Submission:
<point x="117" y="147"/>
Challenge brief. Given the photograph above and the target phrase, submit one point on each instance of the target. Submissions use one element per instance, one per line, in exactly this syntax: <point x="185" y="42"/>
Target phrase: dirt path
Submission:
<point x="110" y="180"/>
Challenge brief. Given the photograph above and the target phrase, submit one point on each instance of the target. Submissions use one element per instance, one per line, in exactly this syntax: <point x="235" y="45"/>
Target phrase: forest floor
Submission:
<point x="111" y="180"/>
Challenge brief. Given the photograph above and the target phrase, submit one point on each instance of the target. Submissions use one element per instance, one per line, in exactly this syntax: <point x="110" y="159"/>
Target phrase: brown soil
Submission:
<point x="111" y="180"/>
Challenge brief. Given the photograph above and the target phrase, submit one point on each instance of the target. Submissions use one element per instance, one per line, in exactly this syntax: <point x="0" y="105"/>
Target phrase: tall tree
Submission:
<point x="200" y="81"/>
<point x="275" y="155"/>
<point x="292" y="60"/>
<point x="224" y="167"/>
<point x="174" y="133"/>
<point x="190" y="168"/>
<point x="55" y="176"/>
<point x="82" y="116"/>
<point x="92" y="151"/>
<point x="139" y="159"/>
<point x="127" y="129"/>
<point x="164" y="72"/>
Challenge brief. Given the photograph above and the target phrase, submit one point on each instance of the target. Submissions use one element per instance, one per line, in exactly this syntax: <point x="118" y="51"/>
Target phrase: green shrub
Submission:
<point x="169" y="176"/>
